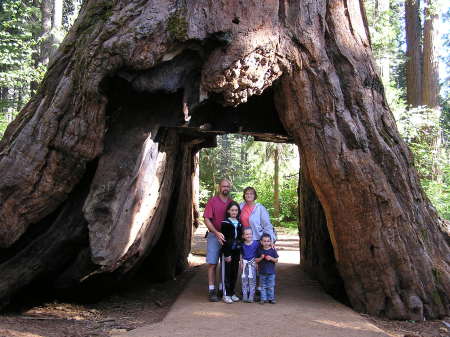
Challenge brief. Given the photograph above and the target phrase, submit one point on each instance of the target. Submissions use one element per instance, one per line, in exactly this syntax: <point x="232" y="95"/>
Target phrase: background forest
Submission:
<point x="411" y="45"/>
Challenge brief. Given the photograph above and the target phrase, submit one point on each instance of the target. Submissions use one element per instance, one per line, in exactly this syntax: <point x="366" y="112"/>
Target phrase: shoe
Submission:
<point x="257" y="295"/>
<point x="234" y="298"/>
<point x="227" y="299"/>
<point x="272" y="301"/>
<point x="212" y="297"/>
<point x="261" y="302"/>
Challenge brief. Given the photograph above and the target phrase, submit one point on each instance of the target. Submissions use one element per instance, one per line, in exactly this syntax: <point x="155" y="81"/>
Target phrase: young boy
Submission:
<point x="268" y="256"/>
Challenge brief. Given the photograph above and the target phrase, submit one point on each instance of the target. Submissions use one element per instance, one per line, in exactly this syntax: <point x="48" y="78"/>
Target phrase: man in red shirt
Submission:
<point x="214" y="215"/>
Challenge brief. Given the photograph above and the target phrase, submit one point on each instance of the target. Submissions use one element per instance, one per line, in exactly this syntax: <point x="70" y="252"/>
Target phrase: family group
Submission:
<point x="243" y="236"/>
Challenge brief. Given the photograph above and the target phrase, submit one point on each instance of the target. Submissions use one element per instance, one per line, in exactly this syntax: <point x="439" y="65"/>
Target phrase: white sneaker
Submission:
<point x="234" y="298"/>
<point x="227" y="299"/>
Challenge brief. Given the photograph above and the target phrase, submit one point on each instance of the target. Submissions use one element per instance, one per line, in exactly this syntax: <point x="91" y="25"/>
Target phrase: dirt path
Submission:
<point x="303" y="309"/>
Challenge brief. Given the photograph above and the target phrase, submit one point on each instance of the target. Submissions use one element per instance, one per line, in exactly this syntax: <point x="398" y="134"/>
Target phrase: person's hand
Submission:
<point x="273" y="246"/>
<point x="268" y="257"/>
<point x="262" y="256"/>
<point x="228" y="259"/>
<point x="240" y="263"/>
<point x="220" y="237"/>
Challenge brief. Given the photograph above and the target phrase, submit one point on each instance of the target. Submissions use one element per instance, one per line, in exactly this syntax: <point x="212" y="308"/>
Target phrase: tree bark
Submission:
<point x="46" y="24"/>
<point x="430" y="80"/>
<point x="118" y="97"/>
<point x="276" y="184"/>
<point x="413" y="29"/>
<point x="430" y="56"/>
<point x="316" y="249"/>
<point x="382" y="7"/>
<point x="57" y="14"/>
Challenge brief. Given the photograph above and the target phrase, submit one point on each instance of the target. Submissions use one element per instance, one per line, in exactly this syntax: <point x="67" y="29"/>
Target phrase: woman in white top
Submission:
<point x="255" y="215"/>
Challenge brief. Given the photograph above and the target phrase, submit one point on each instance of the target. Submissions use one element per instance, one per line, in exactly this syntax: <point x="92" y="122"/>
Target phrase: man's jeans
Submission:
<point x="267" y="284"/>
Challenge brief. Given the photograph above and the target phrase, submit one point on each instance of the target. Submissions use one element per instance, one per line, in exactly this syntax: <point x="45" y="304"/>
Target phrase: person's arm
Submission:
<point x="260" y="256"/>
<point x="271" y="259"/>
<point x="259" y="259"/>
<point x="210" y="225"/>
<point x="267" y="225"/>
<point x="274" y="258"/>
<point x="226" y="249"/>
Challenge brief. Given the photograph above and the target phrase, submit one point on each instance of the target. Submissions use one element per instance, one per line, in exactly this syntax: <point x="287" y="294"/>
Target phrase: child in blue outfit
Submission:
<point x="267" y="257"/>
<point x="249" y="253"/>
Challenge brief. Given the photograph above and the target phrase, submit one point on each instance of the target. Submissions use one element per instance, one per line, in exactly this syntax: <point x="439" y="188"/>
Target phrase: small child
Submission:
<point x="231" y="228"/>
<point x="268" y="256"/>
<point x="249" y="253"/>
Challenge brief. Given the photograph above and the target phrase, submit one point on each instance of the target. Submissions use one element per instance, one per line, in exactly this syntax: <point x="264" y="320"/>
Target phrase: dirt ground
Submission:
<point x="143" y="303"/>
<point x="140" y="304"/>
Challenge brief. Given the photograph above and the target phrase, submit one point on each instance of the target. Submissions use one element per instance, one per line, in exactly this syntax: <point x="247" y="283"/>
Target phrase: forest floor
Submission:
<point x="143" y="303"/>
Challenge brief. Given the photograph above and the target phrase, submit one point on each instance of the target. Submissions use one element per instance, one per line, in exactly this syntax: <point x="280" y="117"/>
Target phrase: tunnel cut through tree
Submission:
<point x="93" y="162"/>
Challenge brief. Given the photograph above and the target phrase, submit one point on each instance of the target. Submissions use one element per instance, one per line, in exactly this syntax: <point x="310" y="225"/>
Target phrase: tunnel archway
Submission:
<point x="257" y="117"/>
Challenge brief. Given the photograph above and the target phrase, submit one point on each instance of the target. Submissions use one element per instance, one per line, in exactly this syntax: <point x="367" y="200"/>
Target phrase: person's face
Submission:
<point x="248" y="235"/>
<point x="266" y="243"/>
<point x="249" y="195"/>
<point x="233" y="211"/>
<point x="224" y="188"/>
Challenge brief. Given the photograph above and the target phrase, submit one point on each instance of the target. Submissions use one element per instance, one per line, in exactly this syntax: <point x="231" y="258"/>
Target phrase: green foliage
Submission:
<point x="19" y="26"/>
<point x="228" y="160"/>
<point x="439" y="194"/>
<point x="249" y="163"/>
<point x="422" y="128"/>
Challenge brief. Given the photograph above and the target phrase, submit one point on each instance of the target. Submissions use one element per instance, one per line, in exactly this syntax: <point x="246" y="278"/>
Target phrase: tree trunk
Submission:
<point x="430" y="80"/>
<point x="276" y="184"/>
<point x="316" y="249"/>
<point x="430" y="56"/>
<point x="109" y="120"/>
<point x="382" y="7"/>
<point x="413" y="29"/>
<point x="57" y="14"/>
<point x="46" y="20"/>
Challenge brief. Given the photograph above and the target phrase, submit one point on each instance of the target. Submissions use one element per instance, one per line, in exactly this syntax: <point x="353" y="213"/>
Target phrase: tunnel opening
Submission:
<point x="196" y="124"/>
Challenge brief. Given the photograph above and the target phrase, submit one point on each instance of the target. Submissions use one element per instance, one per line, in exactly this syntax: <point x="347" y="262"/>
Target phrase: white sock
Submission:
<point x="211" y="287"/>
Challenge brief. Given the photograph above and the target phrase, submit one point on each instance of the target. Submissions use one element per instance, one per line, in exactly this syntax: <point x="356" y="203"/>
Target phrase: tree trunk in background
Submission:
<point x="276" y="184"/>
<point x="57" y="20"/>
<point x="413" y="29"/>
<point x="105" y="143"/>
<point x="430" y="80"/>
<point x="385" y="64"/>
<point x="46" y="19"/>
<point x="57" y="14"/>
<point x="37" y="47"/>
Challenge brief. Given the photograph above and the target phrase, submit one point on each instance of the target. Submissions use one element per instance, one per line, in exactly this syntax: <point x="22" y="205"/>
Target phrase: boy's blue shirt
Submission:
<point x="267" y="267"/>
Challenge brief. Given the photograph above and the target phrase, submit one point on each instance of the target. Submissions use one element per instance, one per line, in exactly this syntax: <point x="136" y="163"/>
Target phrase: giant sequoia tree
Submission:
<point x="97" y="169"/>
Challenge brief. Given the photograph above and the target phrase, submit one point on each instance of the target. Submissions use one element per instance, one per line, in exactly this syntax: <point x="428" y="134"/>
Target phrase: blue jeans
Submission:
<point x="267" y="284"/>
<point x="213" y="248"/>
